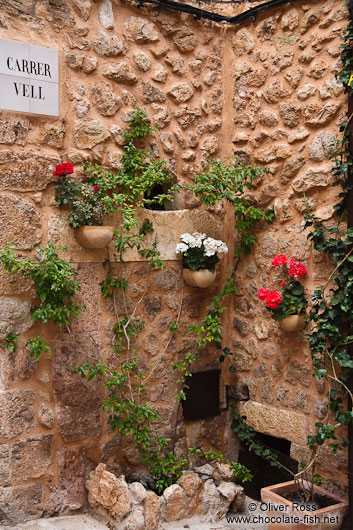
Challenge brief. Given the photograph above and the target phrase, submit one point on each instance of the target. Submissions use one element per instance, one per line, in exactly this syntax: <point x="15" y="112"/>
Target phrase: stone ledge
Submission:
<point x="275" y="422"/>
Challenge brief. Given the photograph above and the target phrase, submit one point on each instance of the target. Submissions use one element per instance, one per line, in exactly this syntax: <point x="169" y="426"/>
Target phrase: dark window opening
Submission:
<point x="264" y="473"/>
<point x="158" y="189"/>
<point x="202" y="396"/>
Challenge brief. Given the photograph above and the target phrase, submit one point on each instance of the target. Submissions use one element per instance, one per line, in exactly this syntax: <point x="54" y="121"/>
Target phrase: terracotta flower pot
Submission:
<point x="292" y="323"/>
<point x="278" y="507"/>
<point x="201" y="278"/>
<point x="94" y="236"/>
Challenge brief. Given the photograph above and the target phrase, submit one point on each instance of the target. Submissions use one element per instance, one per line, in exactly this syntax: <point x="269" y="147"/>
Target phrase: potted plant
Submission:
<point x="287" y="307"/>
<point x="200" y="256"/>
<point x="287" y="509"/>
<point x="89" y="205"/>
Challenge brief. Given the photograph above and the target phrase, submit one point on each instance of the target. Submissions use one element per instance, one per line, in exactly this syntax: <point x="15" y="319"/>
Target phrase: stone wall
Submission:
<point x="276" y="73"/>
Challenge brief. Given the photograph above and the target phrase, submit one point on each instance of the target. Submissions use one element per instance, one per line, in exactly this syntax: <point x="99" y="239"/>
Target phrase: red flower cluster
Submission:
<point x="272" y="298"/>
<point x="96" y="187"/>
<point x="64" y="169"/>
<point x="281" y="259"/>
<point x="296" y="269"/>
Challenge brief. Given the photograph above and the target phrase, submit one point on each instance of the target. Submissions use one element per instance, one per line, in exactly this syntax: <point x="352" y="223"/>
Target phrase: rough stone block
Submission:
<point x="15" y="316"/>
<point x="79" y="402"/>
<point x="21" y="503"/>
<point x="30" y="458"/>
<point x="16" y="412"/>
<point x="28" y="171"/>
<point x="21" y="219"/>
<point x="89" y="295"/>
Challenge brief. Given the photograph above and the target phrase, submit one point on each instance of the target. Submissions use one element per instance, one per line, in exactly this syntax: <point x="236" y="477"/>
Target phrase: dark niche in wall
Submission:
<point x="202" y="396"/>
<point x="264" y="473"/>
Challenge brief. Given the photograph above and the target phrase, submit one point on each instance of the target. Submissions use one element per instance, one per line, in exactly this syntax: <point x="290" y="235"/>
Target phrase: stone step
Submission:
<point x="68" y="522"/>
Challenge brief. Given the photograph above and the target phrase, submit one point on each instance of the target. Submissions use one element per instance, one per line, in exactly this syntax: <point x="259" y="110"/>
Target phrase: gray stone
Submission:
<point x="26" y="171"/>
<point x="269" y="246"/>
<point x="314" y="114"/>
<point x="21" y="503"/>
<point x="121" y="73"/>
<point x="185" y="39"/>
<point x="268" y="118"/>
<point x="298" y="374"/>
<point x="241" y="326"/>
<point x="291" y="168"/>
<point x="298" y="135"/>
<point x="46" y="416"/>
<point x="266" y="390"/>
<point x="318" y="69"/>
<point x="312" y="178"/>
<point x="290" y="114"/>
<point x="159" y="74"/>
<point x="77" y="418"/>
<point x="167" y="281"/>
<point x="143" y="61"/>
<point x="104" y="99"/>
<point x="30" y="458"/>
<point x="294" y="77"/>
<point x="108" y="45"/>
<point x="282" y="395"/>
<point x="83" y="8"/>
<point x="5" y="465"/>
<point x="152" y="304"/>
<point x="140" y="30"/>
<point x="16" y="412"/>
<point x="151" y="94"/>
<point x="106" y="15"/>
<point x="167" y="142"/>
<point x="13" y="132"/>
<point x="15" y="316"/>
<point x="332" y="88"/>
<point x="176" y="503"/>
<point x="161" y="115"/>
<point x="89" y="64"/>
<point x="320" y="407"/>
<point x="181" y="92"/>
<point x="135" y="520"/>
<point x="138" y="492"/>
<point x="290" y="20"/>
<point x="306" y="91"/>
<point x="74" y="61"/>
<point x="321" y="146"/>
<point x="87" y="134"/>
<point x="300" y="400"/>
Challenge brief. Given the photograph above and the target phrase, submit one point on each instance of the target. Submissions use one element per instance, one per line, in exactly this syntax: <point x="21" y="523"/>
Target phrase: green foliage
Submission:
<point x="53" y="280"/>
<point x="195" y="259"/>
<point x="37" y="346"/>
<point x="10" y="342"/>
<point x="231" y="180"/>
<point x="211" y="326"/>
<point x="184" y="368"/>
<point x="293" y="300"/>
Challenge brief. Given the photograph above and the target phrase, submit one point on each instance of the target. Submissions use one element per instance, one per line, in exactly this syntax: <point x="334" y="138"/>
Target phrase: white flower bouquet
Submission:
<point x="199" y="251"/>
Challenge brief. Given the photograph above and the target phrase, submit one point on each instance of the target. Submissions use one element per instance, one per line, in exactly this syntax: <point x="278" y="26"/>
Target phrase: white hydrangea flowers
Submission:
<point x="197" y="240"/>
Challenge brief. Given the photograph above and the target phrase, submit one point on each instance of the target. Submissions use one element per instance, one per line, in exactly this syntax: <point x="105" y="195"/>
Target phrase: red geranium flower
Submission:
<point x="281" y="259"/>
<point x="262" y="294"/>
<point x="62" y="169"/>
<point x="283" y="284"/>
<point x="273" y="299"/>
<point x="96" y="187"/>
<point x="296" y="269"/>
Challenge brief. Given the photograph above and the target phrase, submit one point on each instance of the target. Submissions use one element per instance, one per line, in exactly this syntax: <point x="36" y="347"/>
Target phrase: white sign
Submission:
<point x="29" y="78"/>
